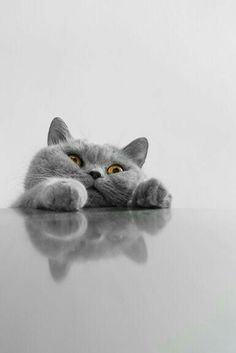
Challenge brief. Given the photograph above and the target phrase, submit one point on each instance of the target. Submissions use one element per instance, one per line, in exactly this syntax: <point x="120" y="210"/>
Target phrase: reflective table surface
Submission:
<point x="118" y="281"/>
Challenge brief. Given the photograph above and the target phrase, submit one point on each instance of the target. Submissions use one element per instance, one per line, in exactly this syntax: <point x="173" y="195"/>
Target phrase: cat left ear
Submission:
<point x="58" y="132"/>
<point x="137" y="150"/>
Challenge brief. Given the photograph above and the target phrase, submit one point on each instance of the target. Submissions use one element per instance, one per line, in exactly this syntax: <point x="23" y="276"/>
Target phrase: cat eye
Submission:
<point x="75" y="158"/>
<point x="114" y="168"/>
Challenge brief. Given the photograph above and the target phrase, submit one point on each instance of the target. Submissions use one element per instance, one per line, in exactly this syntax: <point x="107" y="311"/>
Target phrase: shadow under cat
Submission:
<point x="91" y="235"/>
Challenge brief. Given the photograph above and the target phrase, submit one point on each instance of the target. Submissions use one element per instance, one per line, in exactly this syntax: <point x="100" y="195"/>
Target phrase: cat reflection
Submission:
<point x="67" y="237"/>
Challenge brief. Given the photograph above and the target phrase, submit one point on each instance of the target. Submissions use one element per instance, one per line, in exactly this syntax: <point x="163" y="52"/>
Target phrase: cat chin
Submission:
<point x="95" y="198"/>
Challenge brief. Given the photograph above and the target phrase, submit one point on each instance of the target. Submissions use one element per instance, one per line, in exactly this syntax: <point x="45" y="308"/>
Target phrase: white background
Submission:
<point x="117" y="70"/>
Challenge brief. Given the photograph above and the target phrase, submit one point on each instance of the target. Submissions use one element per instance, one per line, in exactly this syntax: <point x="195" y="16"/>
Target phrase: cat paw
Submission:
<point x="151" y="194"/>
<point x="63" y="195"/>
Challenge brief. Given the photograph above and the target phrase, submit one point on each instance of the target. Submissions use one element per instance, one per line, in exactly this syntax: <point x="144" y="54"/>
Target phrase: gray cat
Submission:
<point x="71" y="174"/>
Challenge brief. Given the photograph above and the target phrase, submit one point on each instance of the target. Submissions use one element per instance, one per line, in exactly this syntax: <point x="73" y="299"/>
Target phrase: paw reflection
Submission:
<point x="92" y="235"/>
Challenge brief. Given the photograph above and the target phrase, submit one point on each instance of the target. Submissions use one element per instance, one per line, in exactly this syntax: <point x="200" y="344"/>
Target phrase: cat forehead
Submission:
<point x="93" y="153"/>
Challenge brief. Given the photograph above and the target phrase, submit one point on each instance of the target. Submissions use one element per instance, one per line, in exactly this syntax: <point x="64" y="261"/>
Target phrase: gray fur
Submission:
<point x="58" y="132"/>
<point x="55" y="182"/>
<point x="137" y="150"/>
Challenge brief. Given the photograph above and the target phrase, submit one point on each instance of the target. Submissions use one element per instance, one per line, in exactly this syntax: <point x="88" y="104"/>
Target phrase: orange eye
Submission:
<point x="114" y="168"/>
<point x="75" y="159"/>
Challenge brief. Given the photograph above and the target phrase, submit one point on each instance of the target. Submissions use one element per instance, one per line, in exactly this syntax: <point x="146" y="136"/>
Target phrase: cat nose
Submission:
<point x="95" y="174"/>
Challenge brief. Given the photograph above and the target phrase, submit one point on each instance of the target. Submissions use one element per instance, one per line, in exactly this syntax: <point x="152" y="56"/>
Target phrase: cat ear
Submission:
<point x="58" y="132"/>
<point x="137" y="150"/>
<point x="58" y="269"/>
<point x="137" y="251"/>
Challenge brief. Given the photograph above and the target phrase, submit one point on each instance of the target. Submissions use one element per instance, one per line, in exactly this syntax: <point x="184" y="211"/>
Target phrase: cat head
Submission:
<point x="109" y="173"/>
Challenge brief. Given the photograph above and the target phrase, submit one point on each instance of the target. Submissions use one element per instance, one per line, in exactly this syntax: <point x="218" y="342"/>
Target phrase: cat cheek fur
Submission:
<point x="53" y="162"/>
<point x="118" y="188"/>
<point x="95" y="199"/>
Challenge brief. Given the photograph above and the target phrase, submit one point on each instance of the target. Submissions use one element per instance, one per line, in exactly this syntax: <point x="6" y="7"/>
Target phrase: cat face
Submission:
<point x="109" y="174"/>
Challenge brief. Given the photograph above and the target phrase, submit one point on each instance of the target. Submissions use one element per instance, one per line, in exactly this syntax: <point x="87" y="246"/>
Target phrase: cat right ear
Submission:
<point x="58" y="132"/>
<point x="137" y="150"/>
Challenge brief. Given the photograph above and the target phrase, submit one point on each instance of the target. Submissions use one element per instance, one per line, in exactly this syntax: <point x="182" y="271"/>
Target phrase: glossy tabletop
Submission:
<point x="118" y="281"/>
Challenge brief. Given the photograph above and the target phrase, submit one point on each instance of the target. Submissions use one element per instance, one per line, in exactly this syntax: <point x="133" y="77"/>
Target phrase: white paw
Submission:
<point x="62" y="194"/>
